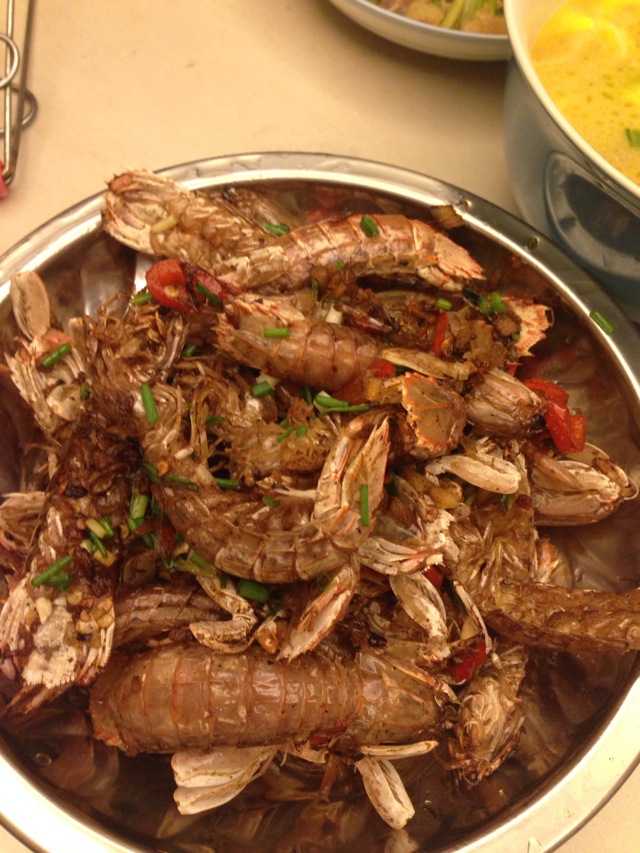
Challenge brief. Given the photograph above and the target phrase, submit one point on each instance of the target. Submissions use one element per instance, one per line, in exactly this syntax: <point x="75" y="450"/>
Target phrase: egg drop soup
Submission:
<point x="587" y="57"/>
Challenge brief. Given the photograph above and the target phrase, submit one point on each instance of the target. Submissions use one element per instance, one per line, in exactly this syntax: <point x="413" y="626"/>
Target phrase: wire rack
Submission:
<point x="19" y="105"/>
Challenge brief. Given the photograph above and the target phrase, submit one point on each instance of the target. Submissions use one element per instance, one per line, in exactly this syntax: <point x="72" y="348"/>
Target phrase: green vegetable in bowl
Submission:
<point x="481" y="16"/>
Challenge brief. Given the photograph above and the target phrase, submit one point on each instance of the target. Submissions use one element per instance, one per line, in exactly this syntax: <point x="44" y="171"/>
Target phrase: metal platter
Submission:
<point x="82" y="266"/>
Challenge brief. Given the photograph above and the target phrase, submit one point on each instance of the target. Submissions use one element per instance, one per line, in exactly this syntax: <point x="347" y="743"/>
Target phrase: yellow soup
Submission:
<point x="587" y="56"/>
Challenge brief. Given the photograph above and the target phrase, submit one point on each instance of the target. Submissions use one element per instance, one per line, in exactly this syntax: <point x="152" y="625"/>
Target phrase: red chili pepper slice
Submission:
<point x="439" y="332"/>
<point x="434" y="575"/>
<point x="548" y="390"/>
<point x="462" y="670"/>
<point x="167" y="539"/>
<point x="568" y="431"/>
<point x="184" y="287"/>
<point x="382" y="368"/>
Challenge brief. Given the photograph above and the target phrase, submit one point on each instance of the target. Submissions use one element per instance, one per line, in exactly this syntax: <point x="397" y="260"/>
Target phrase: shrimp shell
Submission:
<point x="400" y="246"/>
<point x="185" y="696"/>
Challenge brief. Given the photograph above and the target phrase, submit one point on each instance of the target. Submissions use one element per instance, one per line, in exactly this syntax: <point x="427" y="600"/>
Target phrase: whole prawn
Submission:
<point x="185" y="696"/>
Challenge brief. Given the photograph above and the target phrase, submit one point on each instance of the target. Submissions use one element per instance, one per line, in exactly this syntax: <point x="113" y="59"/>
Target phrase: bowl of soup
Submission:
<point x="572" y="129"/>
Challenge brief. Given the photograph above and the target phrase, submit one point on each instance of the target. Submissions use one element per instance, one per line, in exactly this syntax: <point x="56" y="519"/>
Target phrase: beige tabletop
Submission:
<point x="143" y="83"/>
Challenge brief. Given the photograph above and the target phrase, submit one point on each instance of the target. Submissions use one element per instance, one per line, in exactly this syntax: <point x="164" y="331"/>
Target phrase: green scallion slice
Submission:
<point x="199" y="560"/>
<point x="138" y="505"/>
<point x="226" y="483"/>
<point x="287" y="432"/>
<point x="277" y="332"/>
<point x="253" y="590"/>
<point x="443" y="304"/>
<point x="276" y="230"/>
<point x="150" y="408"/>
<point x="98" y="543"/>
<point x="633" y="136"/>
<point x="215" y="300"/>
<point x="606" y="325"/>
<point x="214" y="420"/>
<point x="106" y="524"/>
<point x="179" y="482"/>
<point x="54" y="575"/>
<point x="302" y="430"/>
<point x="369" y="226"/>
<point x="54" y="356"/>
<point x="262" y="388"/>
<point x="141" y="298"/>
<point x="189" y="351"/>
<point x="267" y="500"/>
<point x="364" y="505"/>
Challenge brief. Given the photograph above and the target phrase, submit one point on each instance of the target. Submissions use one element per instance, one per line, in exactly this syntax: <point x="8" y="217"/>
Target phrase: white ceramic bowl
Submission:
<point x="559" y="181"/>
<point x="439" y="41"/>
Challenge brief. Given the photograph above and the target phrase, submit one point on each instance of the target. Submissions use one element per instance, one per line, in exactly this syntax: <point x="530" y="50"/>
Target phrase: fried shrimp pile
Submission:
<point x="296" y="502"/>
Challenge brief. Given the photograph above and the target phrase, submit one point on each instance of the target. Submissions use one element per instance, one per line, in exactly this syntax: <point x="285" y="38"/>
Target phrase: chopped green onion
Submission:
<point x="198" y="560"/>
<point x="54" y="575"/>
<point x="332" y="404"/>
<point x="134" y="523"/>
<point x="633" y="136"/>
<point x="106" y="524"/>
<point x="138" y="505"/>
<point x="58" y="353"/>
<point x="141" y="298"/>
<point x="302" y="430"/>
<point x="364" y="505"/>
<point x="285" y="434"/>
<point x="226" y="483"/>
<point x="152" y="472"/>
<point x="284" y="423"/>
<point x="277" y="230"/>
<point x="208" y="295"/>
<point x="180" y="482"/>
<point x="267" y="500"/>
<point x="369" y="226"/>
<point x="98" y="543"/>
<point x="328" y="402"/>
<point x="223" y="580"/>
<point x="307" y="393"/>
<point x="85" y="393"/>
<point x="340" y="264"/>
<point x="214" y="420"/>
<point x="606" y="325"/>
<point x="277" y="332"/>
<point x="253" y="590"/>
<point x="492" y="304"/>
<point x="189" y="351"/>
<point x="443" y="304"/>
<point x="505" y="502"/>
<point x="262" y="388"/>
<point x="96" y="528"/>
<point x="315" y="287"/>
<point x="150" y="408"/>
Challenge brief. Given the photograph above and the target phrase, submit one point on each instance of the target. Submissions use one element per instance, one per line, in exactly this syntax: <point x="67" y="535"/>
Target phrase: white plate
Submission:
<point x="452" y="44"/>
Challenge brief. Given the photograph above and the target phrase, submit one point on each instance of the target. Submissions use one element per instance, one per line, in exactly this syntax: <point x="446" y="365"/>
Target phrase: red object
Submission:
<point x="548" y="390"/>
<point x="568" y="431"/>
<point x="167" y="539"/>
<point x="463" y="669"/>
<point x="382" y="368"/>
<point x="434" y="575"/>
<point x="173" y="284"/>
<point x="3" y="186"/>
<point x="440" y="330"/>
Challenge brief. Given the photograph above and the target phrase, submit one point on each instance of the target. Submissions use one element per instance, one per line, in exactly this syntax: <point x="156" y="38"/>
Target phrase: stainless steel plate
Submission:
<point x="81" y="266"/>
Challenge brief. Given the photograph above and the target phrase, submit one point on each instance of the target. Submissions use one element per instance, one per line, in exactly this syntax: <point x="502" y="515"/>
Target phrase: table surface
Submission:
<point x="145" y="84"/>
